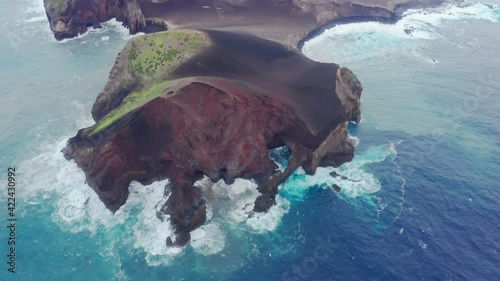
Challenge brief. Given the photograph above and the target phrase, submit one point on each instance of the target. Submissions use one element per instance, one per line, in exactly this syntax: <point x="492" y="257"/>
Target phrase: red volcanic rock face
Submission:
<point x="202" y="129"/>
<point x="198" y="128"/>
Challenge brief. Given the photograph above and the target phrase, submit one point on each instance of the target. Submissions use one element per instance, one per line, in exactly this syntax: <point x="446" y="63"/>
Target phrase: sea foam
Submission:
<point x="358" y="181"/>
<point x="234" y="203"/>
<point x="345" y="42"/>
<point x="102" y="35"/>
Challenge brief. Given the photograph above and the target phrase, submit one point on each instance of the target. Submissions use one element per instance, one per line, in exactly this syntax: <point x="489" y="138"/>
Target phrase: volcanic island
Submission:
<point x="207" y="90"/>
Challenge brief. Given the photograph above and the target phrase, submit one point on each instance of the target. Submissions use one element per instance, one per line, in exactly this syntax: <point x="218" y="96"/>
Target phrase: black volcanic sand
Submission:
<point x="284" y="22"/>
<point x="264" y="19"/>
<point x="287" y="76"/>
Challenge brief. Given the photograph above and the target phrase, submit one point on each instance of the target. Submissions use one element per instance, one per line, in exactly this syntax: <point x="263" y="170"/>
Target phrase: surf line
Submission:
<point x="397" y="173"/>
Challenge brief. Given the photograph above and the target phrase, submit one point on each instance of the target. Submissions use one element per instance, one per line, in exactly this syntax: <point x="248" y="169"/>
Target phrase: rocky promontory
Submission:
<point x="183" y="104"/>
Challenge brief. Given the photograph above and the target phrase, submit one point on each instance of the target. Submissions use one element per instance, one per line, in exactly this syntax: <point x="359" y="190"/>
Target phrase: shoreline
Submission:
<point x="397" y="17"/>
<point x="318" y="31"/>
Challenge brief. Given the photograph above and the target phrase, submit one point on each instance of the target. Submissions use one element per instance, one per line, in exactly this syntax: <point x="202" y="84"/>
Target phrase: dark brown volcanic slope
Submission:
<point x="213" y="108"/>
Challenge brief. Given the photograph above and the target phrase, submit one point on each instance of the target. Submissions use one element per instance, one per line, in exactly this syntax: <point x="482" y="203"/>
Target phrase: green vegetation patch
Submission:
<point x="130" y="103"/>
<point x="154" y="55"/>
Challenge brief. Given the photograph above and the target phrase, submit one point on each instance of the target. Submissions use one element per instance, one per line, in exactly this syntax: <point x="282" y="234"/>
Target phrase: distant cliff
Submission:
<point x="68" y="18"/>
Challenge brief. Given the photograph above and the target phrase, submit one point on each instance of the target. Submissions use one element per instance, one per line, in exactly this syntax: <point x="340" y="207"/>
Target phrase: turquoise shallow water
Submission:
<point x="424" y="204"/>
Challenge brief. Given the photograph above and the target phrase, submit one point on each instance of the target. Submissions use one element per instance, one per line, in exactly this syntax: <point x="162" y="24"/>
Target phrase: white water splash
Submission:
<point x="235" y="202"/>
<point x="77" y="208"/>
<point x="101" y="35"/>
<point x="151" y="232"/>
<point x="209" y="239"/>
<point x="356" y="182"/>
<point x="397" y="173"/>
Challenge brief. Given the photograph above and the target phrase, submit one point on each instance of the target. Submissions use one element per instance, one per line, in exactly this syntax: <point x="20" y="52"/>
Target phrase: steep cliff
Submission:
<point x="186" y="103"/>
<point x="69" y="18"/>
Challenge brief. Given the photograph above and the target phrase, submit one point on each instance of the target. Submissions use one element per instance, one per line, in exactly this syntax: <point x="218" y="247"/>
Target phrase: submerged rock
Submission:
<point x="409" y="30"/>
<point x="344" y="178"/>
<point x="187" y="103"/>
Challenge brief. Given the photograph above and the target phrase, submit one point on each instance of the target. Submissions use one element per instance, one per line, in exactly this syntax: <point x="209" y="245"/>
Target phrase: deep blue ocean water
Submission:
<point x="423" y="202"/>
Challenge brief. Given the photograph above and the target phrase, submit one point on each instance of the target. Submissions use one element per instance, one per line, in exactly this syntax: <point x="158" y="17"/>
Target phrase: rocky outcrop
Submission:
<point x="349" y="90"/>
<point x="69" y="18"/>
<point x="133" y="17"/>
<point x="184" y="104"/>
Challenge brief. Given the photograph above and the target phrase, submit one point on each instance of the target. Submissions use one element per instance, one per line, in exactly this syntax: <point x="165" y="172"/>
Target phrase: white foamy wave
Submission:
<point x="436" y="16"/>
<point x="235" y="202"/>
<point x="83" y="118"/>
<point x="209" y="239"/>
<point x="37" y="18"/>
<point x="72" y="208"/>
<point x="111" y="251"/>
<point x="50" y="176"/>
<point x="35" y="7"/>
<point x="269" y="221"/>
<point x="355" y="140"/>
<point x="77" y="207"/>
<point x="355" y="40"/>
<point x="30" y="25"/>
<point x="109" y="27"/>
<point x="280" y="156"/>
<point x="353" y="178"/>
<point x="118" y="27"/>
<point x="151" y="232"/>
<point x="359" y="181"/>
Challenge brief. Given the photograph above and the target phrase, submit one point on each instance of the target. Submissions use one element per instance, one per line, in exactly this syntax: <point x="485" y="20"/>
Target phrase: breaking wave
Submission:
<point x="352" y="177"/>
<point x="235" y="202"/>
<point x="346" y="42"/>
